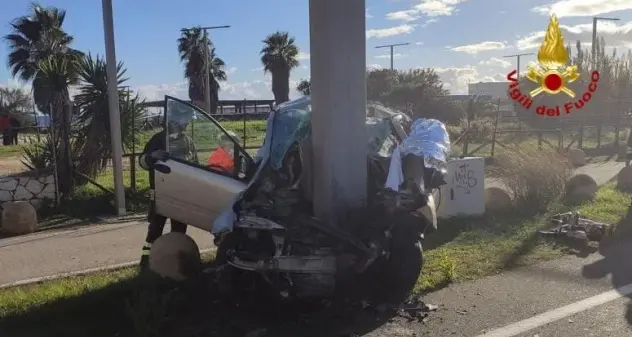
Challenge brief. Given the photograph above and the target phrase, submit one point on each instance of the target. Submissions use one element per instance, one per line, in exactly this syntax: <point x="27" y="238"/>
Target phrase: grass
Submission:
<point x="7" y="151"/>
<point x="470" y="248"/>
<point x="461" y="250"/>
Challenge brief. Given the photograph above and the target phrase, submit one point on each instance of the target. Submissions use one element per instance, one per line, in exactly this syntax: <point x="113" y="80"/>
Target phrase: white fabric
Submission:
<point x="395" y="175"/>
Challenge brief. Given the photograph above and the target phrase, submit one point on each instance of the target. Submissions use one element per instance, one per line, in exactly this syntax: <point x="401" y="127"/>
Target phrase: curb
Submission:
<point x="78" y="273"/>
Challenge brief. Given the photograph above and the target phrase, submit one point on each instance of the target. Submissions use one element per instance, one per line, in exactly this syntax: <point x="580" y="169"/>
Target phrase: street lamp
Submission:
<point x="113" y="101"/>
<point x="207" y="78"/>
<point x="391" y="47"/>
<point x="594" y="36"/>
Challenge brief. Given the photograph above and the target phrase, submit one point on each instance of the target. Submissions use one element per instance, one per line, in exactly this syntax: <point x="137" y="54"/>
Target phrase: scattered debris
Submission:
<point x="571" y="225"/>
<point x="415" y="308"/>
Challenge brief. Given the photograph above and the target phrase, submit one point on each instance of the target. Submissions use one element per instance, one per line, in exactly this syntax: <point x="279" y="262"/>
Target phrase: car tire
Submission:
<point x="393" y="278"/>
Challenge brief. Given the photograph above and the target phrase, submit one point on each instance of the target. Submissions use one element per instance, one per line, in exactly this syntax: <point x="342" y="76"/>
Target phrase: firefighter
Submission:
<point x="181" y="146"/>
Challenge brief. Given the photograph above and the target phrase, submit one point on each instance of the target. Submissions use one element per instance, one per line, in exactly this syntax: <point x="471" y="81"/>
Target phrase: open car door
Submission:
<point x="205" y="168"/>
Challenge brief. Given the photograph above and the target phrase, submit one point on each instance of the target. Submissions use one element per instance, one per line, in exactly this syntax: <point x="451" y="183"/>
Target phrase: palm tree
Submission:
<point x="279" y="57"/>
<point x="192" y="47"/>
<point x="304" y="87"/>
<point x="36" y="37"/>
<point x="92" y="146"/>
<point x="55" y="75"/>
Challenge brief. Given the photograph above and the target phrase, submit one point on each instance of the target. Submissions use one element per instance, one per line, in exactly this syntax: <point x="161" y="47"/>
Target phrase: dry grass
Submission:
<point x="534" y="177"/>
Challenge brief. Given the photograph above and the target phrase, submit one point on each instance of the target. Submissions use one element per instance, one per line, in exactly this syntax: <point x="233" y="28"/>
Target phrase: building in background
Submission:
<point x="497" y="91"/>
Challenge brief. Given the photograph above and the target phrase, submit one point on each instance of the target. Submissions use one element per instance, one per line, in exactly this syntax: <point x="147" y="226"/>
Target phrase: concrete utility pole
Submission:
<point x="207" y="66"/>
<point x="113" y="101"/>
<point x="391" y="47"/>
<point x="338" y="93"/>
<point x="594" y="37"/>
<point x="517" y="56"/>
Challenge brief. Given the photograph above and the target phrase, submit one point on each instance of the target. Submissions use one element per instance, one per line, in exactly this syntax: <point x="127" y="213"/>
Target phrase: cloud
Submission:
<point x="615" y="35"/>
<point x="438" y="7"/>
<point x="496" y="62"/>
<point x="374" y="67"/>
<point x="388" y="56"/>
<point x="406" y="15"/>
<point x="456" y="79"/>
<point x="367" y="15"/>
<point x="253" y="89"/>
<point x="231" y="70"/>
<point x="303" y="56"/>
<point x="428" y="8"/>
<point x="480" y="47"/>
<point x="566" y="8"/>
<point x="257" y="69"/>
<point x="419" y="43"/>
<point x="393" y="31"/>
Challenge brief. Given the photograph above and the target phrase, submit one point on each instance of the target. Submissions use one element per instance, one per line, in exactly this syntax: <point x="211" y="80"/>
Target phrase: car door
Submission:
<point x="188" y="188"/>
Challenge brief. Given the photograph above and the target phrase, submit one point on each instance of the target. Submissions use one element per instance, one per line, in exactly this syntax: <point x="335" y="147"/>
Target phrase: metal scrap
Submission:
<point x="572" y="225"/>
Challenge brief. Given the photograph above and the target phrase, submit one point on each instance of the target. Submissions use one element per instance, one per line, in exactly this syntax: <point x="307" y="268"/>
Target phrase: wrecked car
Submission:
<point x="260" y="212"/>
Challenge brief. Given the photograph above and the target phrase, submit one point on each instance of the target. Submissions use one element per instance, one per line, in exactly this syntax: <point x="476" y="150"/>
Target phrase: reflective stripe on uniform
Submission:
<point x="146" y="248"/>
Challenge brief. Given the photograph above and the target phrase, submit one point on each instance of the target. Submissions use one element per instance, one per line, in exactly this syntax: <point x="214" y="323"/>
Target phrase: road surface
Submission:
<point x="69" y="250"/>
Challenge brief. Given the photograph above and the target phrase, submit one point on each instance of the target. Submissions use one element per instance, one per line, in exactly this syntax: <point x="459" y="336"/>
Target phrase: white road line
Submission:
<point x="559" y="313"/>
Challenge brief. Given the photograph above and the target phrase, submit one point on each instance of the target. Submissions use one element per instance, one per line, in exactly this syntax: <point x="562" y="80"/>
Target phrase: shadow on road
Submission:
<point x="137" y="307"/>
<point x="616" y="261"/>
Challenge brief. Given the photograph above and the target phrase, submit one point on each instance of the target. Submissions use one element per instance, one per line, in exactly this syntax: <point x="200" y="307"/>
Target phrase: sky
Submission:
<point x="465" y="41"/>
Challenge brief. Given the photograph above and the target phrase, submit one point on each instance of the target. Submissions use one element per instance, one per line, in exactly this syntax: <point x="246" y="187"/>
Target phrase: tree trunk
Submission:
<point x="62" y="110"/>
<point x="281" y="85"/>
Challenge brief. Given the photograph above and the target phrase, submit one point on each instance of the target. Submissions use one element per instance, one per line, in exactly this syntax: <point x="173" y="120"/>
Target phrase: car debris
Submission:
<point x="572" y="225"/>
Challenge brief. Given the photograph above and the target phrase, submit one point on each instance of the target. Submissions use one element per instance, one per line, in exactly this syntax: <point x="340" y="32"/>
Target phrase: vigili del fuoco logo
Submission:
<point x="552" y="74"/>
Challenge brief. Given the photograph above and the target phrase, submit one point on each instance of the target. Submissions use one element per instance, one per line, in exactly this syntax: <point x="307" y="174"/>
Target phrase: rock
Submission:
<point x="19" y="217"/>
<point x="34" y="186"/>
<point x="37" y="203"/>
<point x="581" y="188"/>
<point x="624" y="179"/>
<point x="5" y="196"/>
<point x="48" y="192"/>
<point x="23" y="180"/>
<point x="496" y="199"/>
<point x="21" y="193"/>
<point x="175" y="256"/>
<point x="8" y="184"/>
<point x="50" y="179"/>
<point x="577" y="157"/>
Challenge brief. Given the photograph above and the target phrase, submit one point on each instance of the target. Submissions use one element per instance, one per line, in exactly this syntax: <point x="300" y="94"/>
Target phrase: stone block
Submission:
<point x="18" y="217"/>
<point x="175" y="256"/>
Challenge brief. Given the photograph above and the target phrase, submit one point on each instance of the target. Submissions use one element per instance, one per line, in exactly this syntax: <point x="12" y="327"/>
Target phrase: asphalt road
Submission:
<point x="54" y="252"/>
<point x="475" y="308"/>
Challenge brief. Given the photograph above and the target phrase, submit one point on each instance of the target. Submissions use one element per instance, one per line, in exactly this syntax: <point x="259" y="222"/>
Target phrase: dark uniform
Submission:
<point x="181" y="147"/>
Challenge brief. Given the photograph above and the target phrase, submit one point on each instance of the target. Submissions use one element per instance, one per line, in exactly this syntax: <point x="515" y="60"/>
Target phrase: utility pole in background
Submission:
<point x="595" y="67"/>
<point x="594" y="37"/>
<point x="517" y="56"/>
<point x="391" y="47"/>
<point x="113" y="102"/>
<point x="207" y="66"/>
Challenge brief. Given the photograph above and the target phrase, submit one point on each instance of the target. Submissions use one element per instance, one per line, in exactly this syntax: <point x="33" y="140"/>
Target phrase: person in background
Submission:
<point x="15" y="130"/>
<point x="180" y="146"/>
<point x="5" y="127"/>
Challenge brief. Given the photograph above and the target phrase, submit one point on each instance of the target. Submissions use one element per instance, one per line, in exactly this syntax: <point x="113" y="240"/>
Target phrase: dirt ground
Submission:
<point x="11" y="165"/>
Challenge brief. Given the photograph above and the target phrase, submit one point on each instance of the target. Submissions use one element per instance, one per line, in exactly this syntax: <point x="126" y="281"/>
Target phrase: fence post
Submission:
<point x="243" y="112"/>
